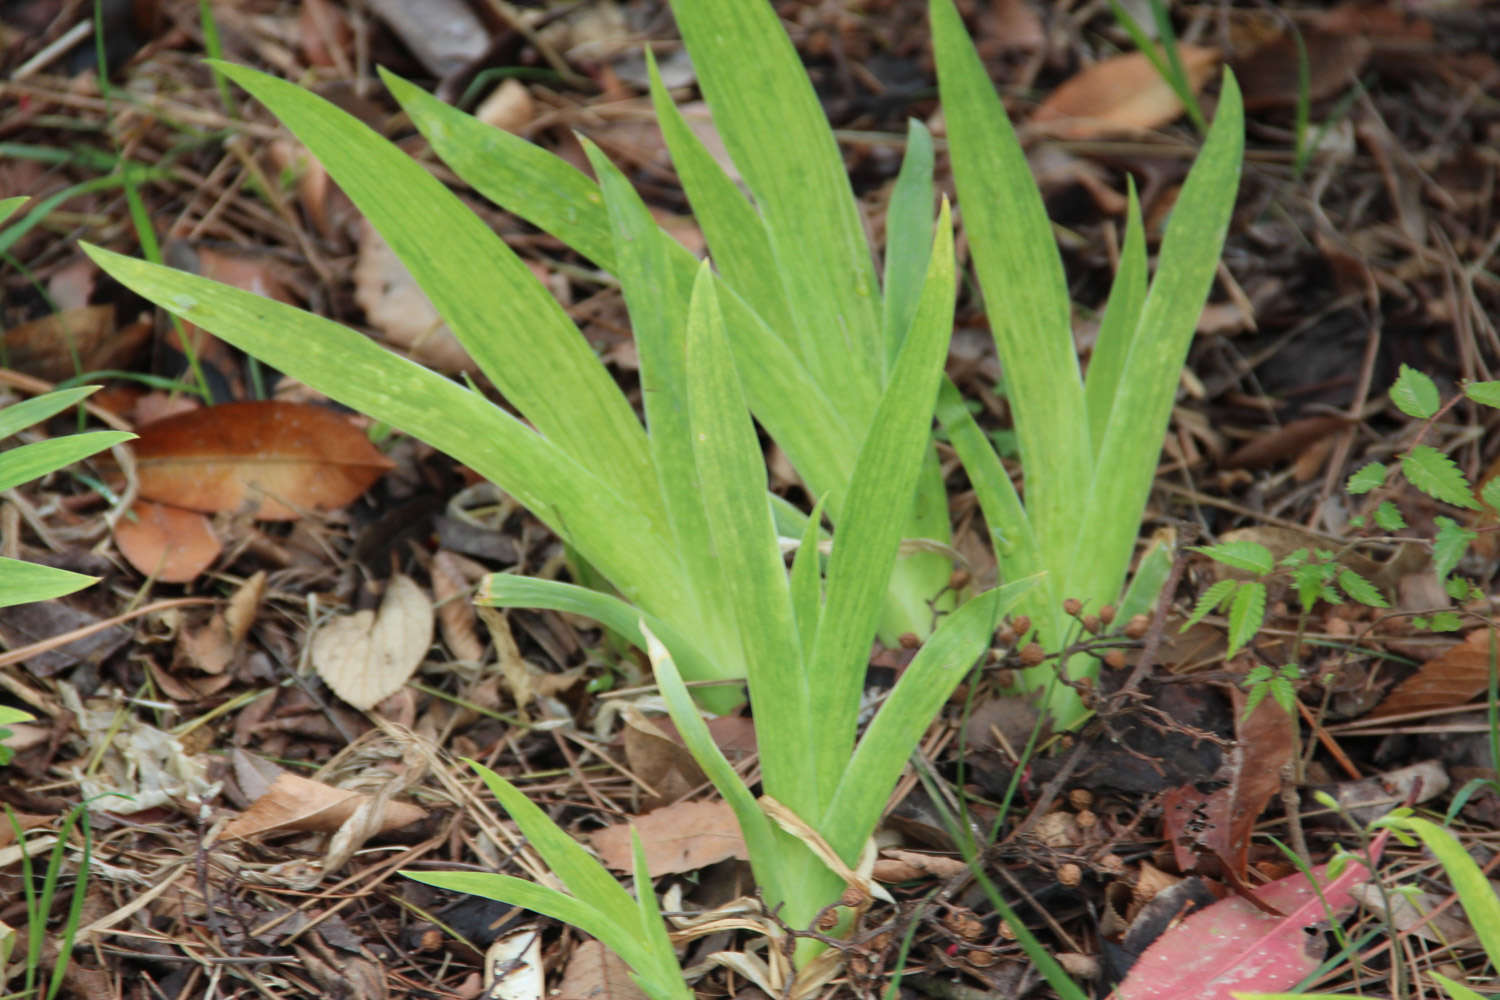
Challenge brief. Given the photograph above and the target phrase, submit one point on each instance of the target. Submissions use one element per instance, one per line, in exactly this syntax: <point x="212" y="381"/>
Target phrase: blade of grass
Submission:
<point x="34" y="460"/>
<point x="908" y="238"/>
<point x="24" y="582"/>
<point x="880" y="500"/>
<point x="1117" y="329"/>
<point x="1147" y="385"/>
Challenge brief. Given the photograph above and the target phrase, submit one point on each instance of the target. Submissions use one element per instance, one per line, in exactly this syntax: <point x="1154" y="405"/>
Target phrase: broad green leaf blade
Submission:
<point x="8" y="206"/>
<point x="24" y="582"/>
<point x="508" y="322"/>
<point x="584" y="877"/>
<point x="1435" y="474"/>
<point x="769" y="849"/>
<point x="732" y="471"/>
<point x="1485" y="393"/>
<point x="31" y="461"/>
<point x="908" y="239"/>
<point x="1247" y="610"/>
<point x="1366" y="478"/>
<point x="1415" y="394"/>
<point x="1252" y="557"/>
<point x="880" y="503"/>
<point x="658" y="314"/>
<point x="764" y="106"/>
<point x="508" y="590"/>
<point x="737" y="239"/>
<point x="1110" y="519"/>
<point x="1121" y="323"/>
<point x="19" y="416"/>
<point x="1017" y="262"/>
<point x="548" y="192"/>
<point x="1151" y="573"/>
<point x="893" y="734"/>
<point x="616" y="536"/>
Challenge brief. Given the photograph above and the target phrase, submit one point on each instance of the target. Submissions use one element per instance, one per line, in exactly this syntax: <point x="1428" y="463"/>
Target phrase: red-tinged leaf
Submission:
<point x="1220" y="823"/>
<point x="1232" y="946"/>
<point x="169" y="544"/>
<point x="279" y="460"/>
<point x="1451" y="678"/>
<point x="1122" y="94"/>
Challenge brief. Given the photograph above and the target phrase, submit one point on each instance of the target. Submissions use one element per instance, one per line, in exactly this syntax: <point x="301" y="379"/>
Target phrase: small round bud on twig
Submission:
<point x="1137" y="627"/>
<point x="1107" y="614"/>
<point x="1033" y="654"/>
<point x="1115" y="659"/>
<point x="1021" y="623"/>
<point x="1092" y="624"/>
<point x="1072" y="606"/>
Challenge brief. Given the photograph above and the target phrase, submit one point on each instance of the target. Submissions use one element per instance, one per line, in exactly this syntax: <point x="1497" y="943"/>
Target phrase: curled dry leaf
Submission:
<point x="1122" y="94"/>
<point x="453" y="577"/>
<point x="1459" y="674"/>
<point x="295" y="803"/>
<point x="169" y="544"/>
<point x="280" y="460"/>
<point x="366" y="657"/>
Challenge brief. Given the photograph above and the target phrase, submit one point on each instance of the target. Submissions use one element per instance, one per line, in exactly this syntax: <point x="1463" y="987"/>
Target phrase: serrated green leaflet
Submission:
<point x="1389" y="518"/>
<point x="1435" y="474"/>
<point x="1208" y="601"/>
<point x="1360" y="589"/>
<point x="1415" y="394"/>
<point x="1252" y="557"/>
<point x="1486" y="393"/>
<point x="1367" y="478"/>
<point x="1449" y="545"/>
<point x="1246" y="612"/>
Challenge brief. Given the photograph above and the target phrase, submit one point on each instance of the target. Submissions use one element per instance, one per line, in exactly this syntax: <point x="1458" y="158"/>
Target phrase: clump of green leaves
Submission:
<point x="1415" y="394"/>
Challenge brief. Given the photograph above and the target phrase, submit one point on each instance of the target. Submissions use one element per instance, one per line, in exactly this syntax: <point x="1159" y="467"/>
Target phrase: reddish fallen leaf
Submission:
<point x="682" y="837"/>
<point x="1221" y="822"/>
<point x="1122" y="94"/>
<point x="1268" y="76"/>
<point x="171" y="544"/>
<point x="1451" y="678"/>
<point x="1288" y="441"/>
<point x="1233" y="947"/>
<point x="596" y="973"/>
<point x="279" y="460"/>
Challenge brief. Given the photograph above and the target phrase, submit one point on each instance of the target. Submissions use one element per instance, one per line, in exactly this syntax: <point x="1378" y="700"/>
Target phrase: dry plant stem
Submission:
<point x="1291" y="805"/>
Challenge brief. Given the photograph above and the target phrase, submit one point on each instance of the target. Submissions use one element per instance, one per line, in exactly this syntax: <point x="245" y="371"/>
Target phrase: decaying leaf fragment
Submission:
<point x="367" y="656"/>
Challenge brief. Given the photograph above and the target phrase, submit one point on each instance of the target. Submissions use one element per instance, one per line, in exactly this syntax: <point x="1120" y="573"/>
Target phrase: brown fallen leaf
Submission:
<point x="1268" y="77"/>
<point x="1452" y="678"/>
<point x="368" y="656"/>
<point x="682" y="837"/>
<point x="596" y="973"/>
<point x="396" y="306"/>
<point x="1121" y="94"/>
<point x="280" y="460"/>
<point x="1285" y="442"/>
<point x="297" y="804"/>
<point x="170" y="544"/>
<point x="49" y="347"/>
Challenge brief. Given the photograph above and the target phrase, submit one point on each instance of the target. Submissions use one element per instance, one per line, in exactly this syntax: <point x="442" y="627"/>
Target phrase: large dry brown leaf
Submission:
<point x="279" y="460"/>
<point x="680" y="838"/>
<point x="1122" y="94"/>
<point x="368" y="656"/>
<point x="295" y="803"/>
<point x="1452" y="678"/>
<point x="596" y="973"/>
<point x="170" y="544"/>
<point x="54" y="346"/>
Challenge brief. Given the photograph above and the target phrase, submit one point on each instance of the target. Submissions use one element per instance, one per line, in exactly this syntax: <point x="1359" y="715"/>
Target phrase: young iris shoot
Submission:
<point x="792" y="326"/>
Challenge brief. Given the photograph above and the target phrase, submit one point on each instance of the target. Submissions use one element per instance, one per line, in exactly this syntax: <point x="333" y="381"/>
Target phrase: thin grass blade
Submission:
<point x="908" y="238"/>
<point x="732" y="471"/>
<point x="880" y="504"/>
<point x="31" y="461"/>
<point x="1119" y="326"/>
<point x="18" y="416"/>
<point x="1147" y="385"/>
<point x="24" y="582"/>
